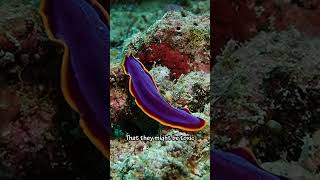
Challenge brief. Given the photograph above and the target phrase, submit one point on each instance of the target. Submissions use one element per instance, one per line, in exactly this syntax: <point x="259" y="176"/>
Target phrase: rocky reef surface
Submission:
<point x="173" y="43"/>
<point x="265" y="82"/>
<point x="242" y="19"/>
<point x="266" y="96"/>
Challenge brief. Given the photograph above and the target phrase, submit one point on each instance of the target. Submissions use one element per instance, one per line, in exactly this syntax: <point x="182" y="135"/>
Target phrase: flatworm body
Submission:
<point x="143" y="88"/>
<point x="237" y="164"/>
<point x="81" y="26"/>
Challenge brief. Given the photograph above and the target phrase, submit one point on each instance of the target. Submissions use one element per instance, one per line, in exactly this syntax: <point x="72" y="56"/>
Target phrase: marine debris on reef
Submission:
<point x="266" y="93"/>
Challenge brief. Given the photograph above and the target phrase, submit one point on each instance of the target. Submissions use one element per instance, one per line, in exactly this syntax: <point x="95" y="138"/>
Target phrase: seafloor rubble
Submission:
<point x="266" y="96"/>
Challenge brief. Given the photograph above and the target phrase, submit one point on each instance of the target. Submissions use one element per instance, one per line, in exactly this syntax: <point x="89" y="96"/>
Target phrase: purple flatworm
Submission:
<point x="82" y="27"/>
<point x="238" y="164"/>
<point x="143" y="88"/>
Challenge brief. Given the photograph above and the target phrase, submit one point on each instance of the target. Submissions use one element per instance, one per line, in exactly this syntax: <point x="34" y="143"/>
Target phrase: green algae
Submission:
<point x="199" y="35"/>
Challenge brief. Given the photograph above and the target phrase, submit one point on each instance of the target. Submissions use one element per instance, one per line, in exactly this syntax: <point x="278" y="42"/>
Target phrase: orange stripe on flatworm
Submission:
<point x="141" y="106"/>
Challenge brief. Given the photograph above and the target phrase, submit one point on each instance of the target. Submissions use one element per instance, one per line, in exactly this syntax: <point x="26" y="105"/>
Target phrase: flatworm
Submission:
<point x="238" y="164"/>
<point x="81" y="27"/>
<point x="143" y="88"/>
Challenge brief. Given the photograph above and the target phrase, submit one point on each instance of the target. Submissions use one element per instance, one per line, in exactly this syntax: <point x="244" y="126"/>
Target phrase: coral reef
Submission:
<point x="160" y="159"/>
<point x="190" y="90"/>
<point x="173" y="43"/>
<point x="161" y="76"/>
<point x="308" y="164"/>
<point x="291" y="169"/>
<point x="28" y="125"/>
<point x="139" y="18"/>
<point x="310" y="155"/>
<point x="241" y="20"/>
<point x="142" y="14"/>
<point x="26" y="109"/>
<point x="179" y="41"/>
<point x="196" y="94"/>
<point x="20" y="33"/>
<point x="266" y="92"/>
<point x="177" y="62"/>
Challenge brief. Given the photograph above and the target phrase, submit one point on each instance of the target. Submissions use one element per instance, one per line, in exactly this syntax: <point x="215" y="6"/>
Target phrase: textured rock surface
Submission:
<point x="241" y="20"/>
<point x="273" y="77"/>
<point x="161" y="159"/>
<point x="179" y="41"/>
<point x="174" y="47"/>
<point x="21" y="33"/>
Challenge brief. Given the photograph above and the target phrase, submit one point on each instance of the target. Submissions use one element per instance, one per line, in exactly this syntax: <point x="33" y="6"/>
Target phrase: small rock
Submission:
<point x="274" y="126"/>
<point x="1" y="53"/>
<point x="6" y="59"/>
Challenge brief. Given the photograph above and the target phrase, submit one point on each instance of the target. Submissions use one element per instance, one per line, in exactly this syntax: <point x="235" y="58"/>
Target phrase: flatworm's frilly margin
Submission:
<point x="238" y="163"/>
<point x="143" y="88"/>
<point x="82" y="28"/>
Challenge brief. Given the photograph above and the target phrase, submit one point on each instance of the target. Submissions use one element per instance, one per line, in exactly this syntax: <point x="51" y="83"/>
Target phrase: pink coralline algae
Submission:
<point x="179" y="41"/>
<point x="177" y="62"/>
<point x="118" y="95"/>
<point x="118" y="102"/>
<point x="27" y="124"/>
